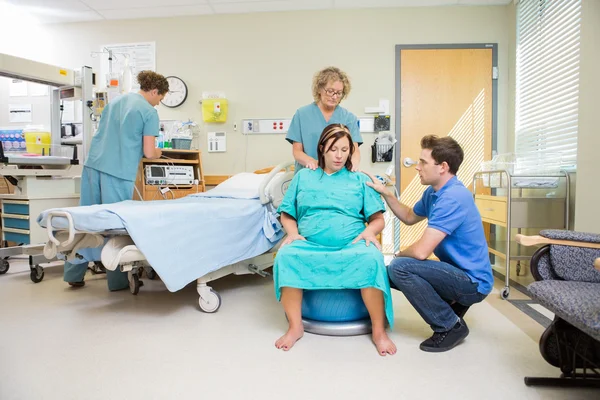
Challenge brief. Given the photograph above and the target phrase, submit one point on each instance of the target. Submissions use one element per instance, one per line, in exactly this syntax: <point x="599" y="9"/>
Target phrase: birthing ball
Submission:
<point x="333" y="305"/>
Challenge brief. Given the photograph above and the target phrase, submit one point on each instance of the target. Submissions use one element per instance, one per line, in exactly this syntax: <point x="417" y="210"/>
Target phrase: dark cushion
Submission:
<point x="574" y="263"/>
<point x="576" y="302"/>
<point x="544" y="267"/>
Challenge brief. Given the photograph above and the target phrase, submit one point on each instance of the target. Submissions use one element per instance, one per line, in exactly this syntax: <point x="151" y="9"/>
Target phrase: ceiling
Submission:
<point x="63" y="11"/>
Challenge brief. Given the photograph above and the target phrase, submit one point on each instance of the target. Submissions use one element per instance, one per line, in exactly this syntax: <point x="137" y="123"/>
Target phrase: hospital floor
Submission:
<point x="62" y="343"/>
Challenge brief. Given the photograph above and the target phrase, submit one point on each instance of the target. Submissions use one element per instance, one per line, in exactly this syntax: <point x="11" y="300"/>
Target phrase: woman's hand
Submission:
<point x="369" y="238"/>
<point x="291" y="238"/>
<point x="312" y="164"/>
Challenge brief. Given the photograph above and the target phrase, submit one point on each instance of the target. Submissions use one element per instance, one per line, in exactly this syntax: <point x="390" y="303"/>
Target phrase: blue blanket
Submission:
<point x="187" y="238"/>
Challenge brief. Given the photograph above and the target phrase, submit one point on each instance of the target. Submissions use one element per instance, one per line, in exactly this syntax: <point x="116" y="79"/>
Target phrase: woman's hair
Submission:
<point x="336" y="131"/>
<point x="150" y="80"/>
<point x="326" y="75"/>
<point x="444" y="149"/>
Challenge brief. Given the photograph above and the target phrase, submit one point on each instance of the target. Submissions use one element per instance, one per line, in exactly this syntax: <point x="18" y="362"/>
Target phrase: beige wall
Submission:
<point x="265" y="62"/>
<point x="587" y="217"/>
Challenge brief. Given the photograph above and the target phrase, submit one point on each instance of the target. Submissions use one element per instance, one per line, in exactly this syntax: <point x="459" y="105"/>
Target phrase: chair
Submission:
<point x="568" y="284"/>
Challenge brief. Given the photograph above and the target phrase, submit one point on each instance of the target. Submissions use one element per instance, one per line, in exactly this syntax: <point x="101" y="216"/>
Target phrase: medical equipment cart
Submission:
<point x="48" y="178"/>
<point x="520" y="202"/>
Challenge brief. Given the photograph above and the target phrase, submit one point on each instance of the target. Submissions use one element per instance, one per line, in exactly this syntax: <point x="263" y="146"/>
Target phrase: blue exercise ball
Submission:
<point x="333" y="305"/>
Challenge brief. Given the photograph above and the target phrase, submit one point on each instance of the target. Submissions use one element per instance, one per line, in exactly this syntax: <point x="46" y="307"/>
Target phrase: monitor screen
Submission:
<point x="157" y="171"/>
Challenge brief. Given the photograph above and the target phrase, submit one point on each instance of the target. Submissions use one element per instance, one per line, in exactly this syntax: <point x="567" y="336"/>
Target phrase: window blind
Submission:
<point x="547" y="84"/>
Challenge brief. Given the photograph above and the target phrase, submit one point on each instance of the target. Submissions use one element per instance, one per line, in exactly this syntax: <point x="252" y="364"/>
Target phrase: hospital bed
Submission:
<point x="231" y="229"/>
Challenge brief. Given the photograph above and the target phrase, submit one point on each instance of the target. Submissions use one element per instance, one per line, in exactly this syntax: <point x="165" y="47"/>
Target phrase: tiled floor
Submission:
<point x="61" y="343"/>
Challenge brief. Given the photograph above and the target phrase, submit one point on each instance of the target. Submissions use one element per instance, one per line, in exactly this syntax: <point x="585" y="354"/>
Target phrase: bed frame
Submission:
<point x="120" y="252"/>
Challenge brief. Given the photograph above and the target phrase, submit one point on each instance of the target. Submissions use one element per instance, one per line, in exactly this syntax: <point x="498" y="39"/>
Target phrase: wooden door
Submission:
<point x="443" y="92"/>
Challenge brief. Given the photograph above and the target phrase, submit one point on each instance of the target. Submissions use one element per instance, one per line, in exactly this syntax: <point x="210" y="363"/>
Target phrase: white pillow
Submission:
<point x="240" y="186"/>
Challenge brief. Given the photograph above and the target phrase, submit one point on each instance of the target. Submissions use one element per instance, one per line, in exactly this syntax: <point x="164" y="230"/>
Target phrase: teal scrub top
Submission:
<point x="308" y="123"/>
<point x="117" y="147"/>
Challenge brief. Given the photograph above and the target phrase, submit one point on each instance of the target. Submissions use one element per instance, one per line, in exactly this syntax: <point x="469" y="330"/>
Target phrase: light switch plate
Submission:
<point x="217" y="142"/>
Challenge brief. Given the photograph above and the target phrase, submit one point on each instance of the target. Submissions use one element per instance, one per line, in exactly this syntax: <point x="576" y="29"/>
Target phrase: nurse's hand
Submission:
<point x="312" y="164"/>
<point x="369" y="238"/>
<point x="291" y="238"/>
<point x="355" y="162"/>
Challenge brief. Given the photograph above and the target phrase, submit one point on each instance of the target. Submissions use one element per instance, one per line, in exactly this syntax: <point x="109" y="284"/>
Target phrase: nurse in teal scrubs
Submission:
<point x="330" y="87"/>
<point x="127" y="131"/>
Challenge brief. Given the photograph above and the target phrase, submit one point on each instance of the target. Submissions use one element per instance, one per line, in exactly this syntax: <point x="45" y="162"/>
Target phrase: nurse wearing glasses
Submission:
<point x="330" y="86"/>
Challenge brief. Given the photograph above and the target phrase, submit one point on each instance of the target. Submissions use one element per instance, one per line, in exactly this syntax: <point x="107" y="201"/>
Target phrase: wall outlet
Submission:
<point x="265" y="126"/>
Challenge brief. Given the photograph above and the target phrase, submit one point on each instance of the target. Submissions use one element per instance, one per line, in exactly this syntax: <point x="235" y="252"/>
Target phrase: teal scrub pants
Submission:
<point x="99" y="188"/>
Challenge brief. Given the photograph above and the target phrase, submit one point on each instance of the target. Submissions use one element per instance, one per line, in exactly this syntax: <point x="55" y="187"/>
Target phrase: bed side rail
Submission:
<point x="50" y="229"/>
<point x="266" y="198"/>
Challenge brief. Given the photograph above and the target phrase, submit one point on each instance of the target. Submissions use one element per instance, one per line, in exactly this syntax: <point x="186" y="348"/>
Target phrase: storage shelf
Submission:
<point x="176" y="151"/>
<point x="180" y="187"/>
<point x="170" y="161"/>
<point x="176" y="157"/>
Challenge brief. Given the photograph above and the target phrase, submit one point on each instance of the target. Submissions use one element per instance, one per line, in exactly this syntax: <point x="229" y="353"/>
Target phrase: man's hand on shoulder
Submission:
<point x="376" y="184"/>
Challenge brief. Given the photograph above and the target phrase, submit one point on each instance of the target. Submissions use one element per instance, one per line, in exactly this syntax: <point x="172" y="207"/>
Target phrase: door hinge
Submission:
<point x="494" y="72"/>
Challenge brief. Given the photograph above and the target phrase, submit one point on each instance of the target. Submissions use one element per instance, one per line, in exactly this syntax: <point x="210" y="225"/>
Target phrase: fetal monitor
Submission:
<point x="169" y="175"/>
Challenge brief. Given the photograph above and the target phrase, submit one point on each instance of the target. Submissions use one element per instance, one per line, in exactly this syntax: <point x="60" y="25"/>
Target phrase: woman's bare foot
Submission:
<point x="290" y="338"/>
<point x="384" y="344"/>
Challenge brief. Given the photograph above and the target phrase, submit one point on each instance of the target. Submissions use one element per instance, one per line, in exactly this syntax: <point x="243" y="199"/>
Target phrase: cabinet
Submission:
<point x="520" y="202"/>
<point x="171" y="157"/>
<point x="19" y="216"/>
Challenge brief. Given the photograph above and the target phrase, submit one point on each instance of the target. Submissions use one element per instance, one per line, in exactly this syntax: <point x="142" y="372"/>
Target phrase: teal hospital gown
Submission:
<point x="331" y="211"/>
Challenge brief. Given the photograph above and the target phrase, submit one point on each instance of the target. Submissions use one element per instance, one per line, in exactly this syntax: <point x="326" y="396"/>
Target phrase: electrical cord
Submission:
<point x="166" y="185"/>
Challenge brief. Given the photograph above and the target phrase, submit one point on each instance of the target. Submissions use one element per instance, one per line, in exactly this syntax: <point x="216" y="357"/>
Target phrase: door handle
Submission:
<point x="408" y="162"/>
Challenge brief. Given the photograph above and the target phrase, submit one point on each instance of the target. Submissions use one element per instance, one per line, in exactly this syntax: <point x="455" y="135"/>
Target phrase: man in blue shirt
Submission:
<point x="441" y="291"/>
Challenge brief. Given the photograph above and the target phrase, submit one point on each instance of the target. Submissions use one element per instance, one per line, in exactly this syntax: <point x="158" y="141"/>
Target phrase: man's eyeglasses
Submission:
<point x="332" y="93"/>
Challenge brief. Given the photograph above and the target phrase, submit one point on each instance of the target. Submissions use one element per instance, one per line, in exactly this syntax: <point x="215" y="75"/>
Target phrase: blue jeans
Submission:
<point x="430" y="286"/>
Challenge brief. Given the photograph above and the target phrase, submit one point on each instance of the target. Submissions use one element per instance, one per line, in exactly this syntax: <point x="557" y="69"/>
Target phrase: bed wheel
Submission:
<point x="151" y="273"/>
<point x="98" y="268"/>
<point x="505" y="292"/>
<point x="37" y="274"/>
<point x="4" y="266"/>
<point x="209" y="301"/>
<point x="134" y="283"/>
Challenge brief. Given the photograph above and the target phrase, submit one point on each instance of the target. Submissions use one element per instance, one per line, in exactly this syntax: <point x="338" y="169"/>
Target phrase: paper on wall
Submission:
<point x="19" y="112"/>
<point x="68" y="114"/>
<point x="17" y="88"/>
<point x="36" y="89"/>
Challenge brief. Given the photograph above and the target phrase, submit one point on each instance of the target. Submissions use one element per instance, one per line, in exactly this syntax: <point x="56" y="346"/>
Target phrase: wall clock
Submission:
<point x="177" y="92"/>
